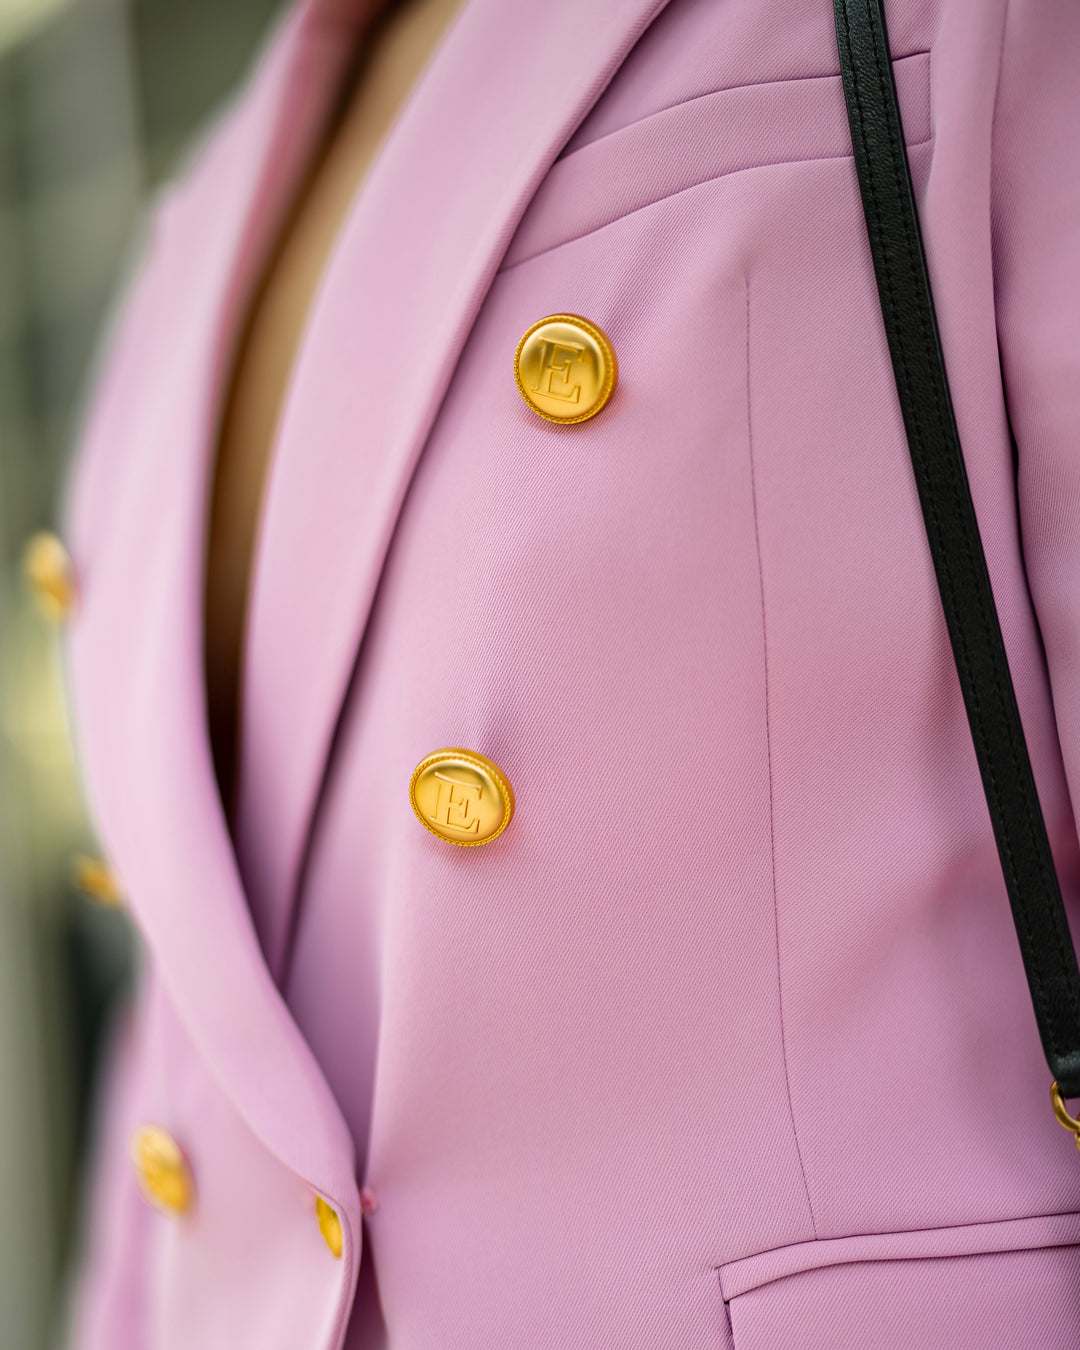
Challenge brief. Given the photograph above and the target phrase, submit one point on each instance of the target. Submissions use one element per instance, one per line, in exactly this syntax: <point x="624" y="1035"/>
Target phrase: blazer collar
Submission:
<point x="503" y="94"/>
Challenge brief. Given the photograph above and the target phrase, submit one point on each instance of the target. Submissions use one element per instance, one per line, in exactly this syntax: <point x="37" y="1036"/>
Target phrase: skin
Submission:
<point x="394" y="53"/>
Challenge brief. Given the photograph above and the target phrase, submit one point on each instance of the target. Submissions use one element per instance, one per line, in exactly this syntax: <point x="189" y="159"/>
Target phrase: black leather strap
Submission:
<point x="907" y="307"/>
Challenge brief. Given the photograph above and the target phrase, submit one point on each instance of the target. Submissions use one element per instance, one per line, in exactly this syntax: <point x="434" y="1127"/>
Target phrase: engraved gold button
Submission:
<point x="162" y="1170"/>
<point x="461" y="796"/>
<point x="48" y="570"/>
<point x="565" y="368"/>
<point x="97" y="881"/>
<point x="329" y="1226"/>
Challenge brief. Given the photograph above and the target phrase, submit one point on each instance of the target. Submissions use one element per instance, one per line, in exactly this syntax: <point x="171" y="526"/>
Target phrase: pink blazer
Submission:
<point x="724" y="1043"/>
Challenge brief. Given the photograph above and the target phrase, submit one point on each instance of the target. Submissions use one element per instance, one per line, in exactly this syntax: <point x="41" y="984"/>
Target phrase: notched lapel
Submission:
<point x="136" y="649"/>
<point x="409" y="275"/>
<point x="506" y="89"/>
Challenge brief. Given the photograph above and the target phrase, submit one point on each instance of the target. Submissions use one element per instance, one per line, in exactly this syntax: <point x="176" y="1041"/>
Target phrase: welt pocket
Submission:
<point x="745" y="127"/>
<point x="1009" y="1283"/>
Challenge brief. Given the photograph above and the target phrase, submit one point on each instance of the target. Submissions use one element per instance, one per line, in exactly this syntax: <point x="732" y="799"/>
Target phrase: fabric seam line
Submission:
<point x="768" y="748"/>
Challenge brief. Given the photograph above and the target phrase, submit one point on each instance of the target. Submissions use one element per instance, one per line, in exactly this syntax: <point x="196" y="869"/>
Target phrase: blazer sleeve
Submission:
<point x="94" y="470"/>
<point x="1035" y="240"/>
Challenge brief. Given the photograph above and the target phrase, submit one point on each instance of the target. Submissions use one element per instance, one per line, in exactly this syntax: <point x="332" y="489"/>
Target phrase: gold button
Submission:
<point x="162" y="1170"/>
<point x="96" y="880"/>
<point x="565" y="368"/>
<point x="329" y="1226"/>
<point x="461" y="796"/>
<point x="48" y="570"/>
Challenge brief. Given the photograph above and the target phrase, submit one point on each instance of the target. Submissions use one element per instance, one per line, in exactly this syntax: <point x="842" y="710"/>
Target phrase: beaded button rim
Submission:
<point x="476" y="761"/>
<point x="602" y="341"/>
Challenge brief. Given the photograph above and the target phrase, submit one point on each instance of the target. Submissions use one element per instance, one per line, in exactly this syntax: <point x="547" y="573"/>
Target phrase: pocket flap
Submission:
<point x="1044" y="1230"/>
<point x="1016" y="1299"/>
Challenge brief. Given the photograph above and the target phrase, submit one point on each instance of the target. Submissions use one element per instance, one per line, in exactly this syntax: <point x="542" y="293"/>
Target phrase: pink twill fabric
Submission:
<point x="725" y="1044"/>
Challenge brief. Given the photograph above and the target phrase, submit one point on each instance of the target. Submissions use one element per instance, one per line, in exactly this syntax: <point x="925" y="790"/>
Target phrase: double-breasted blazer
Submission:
<point x="724" y="1042"/>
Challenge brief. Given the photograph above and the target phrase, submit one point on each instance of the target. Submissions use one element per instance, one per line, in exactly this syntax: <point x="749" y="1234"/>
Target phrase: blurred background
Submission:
<point x="98" y="100"/>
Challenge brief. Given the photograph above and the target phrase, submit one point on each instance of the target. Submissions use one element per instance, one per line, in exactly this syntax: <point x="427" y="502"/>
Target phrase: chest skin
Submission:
<point x="393" y="52"/>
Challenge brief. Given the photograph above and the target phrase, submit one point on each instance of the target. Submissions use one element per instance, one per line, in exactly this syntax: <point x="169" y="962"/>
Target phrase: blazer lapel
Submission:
<point x="136" y="519"/>
<point x="470" y="161"/>
<point x="501" y="97"/>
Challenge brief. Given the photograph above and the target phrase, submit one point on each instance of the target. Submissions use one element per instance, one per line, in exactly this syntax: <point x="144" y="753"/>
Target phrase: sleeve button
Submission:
<point x="48" y="570"/>
<point x="162" y="1170"/>
<point x="97" y="881"/>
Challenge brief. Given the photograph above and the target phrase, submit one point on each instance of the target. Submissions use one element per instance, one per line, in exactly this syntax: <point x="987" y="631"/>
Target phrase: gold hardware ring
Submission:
<point x="1061" y="1111"/>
